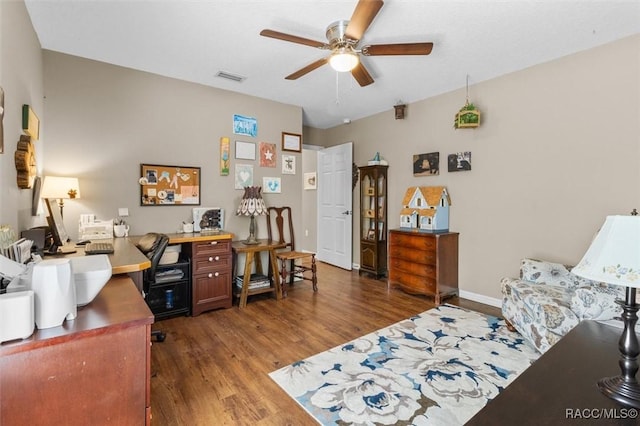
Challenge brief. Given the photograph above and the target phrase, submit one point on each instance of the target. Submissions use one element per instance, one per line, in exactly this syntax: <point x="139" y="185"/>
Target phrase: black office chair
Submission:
<point x="152" y="245"/>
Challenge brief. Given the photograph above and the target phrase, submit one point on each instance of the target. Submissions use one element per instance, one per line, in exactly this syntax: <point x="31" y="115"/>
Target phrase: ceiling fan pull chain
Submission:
<point x="337" y="88"/>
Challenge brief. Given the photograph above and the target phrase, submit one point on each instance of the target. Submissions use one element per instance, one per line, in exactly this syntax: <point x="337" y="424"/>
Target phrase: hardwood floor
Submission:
<point x="213" y="368"/>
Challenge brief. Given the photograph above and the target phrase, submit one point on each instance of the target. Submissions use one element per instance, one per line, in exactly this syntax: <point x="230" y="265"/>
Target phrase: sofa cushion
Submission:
<point x="597" y="301"/>
<point x="543" y="272"/>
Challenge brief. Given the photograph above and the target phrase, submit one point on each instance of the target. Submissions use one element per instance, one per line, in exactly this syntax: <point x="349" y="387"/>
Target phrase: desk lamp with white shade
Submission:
<point x="60" y="188"/>
<point x="614" y="258"/>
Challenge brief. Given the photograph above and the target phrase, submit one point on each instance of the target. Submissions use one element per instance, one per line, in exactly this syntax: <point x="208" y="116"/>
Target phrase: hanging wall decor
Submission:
<point x="224" y="156"/>
<point x="288" y="165"/>
<point x="267" y="154"/>
<point x="169" y="185"/>
<point x="459" y="162"/>
<point x="426" y="164"/>
<point x="245" y="125"/>
<point x="469" y="116"/>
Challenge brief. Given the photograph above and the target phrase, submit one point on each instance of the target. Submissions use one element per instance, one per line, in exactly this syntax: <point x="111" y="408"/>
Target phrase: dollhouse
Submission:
<point x="425" y="207"/>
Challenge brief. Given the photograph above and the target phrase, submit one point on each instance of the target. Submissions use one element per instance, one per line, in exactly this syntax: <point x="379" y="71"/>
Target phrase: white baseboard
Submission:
<point x="491" y="301"/>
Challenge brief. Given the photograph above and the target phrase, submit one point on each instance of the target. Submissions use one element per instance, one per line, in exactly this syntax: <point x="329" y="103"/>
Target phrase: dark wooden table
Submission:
<point x="561" y="386"/>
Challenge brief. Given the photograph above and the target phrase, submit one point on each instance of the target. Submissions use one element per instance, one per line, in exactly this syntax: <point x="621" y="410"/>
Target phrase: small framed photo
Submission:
<point x="371" y="235"/>
<point x="371" y="191"/>
<point x="288" y="164"/>
<point x="245" y="150"/>
<point x="310" y="181"/>
<point x="271" y="185"/>
<point x="291" y="142"/>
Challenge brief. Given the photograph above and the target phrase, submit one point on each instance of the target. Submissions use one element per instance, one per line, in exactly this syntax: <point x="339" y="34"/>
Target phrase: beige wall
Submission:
<point x="21" y="79"/>
<point x="104" y="120"/>
<point x="558" y="150"/>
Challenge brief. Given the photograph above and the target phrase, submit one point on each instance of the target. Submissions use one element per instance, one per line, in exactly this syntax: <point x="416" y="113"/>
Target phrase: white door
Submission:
<point x="335" y="205"/>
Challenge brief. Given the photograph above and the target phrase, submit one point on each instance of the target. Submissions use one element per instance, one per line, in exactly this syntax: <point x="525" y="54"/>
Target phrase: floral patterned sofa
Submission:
<point x="547" y="301"/>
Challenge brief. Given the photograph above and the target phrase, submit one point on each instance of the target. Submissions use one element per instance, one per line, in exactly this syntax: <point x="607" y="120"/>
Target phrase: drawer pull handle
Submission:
<point x="217" y="274"/>
<point x="210" y="275"/>
<point x="213" y="243"/>
<point x="217" y="258"/>
<point x="210" y="259"/>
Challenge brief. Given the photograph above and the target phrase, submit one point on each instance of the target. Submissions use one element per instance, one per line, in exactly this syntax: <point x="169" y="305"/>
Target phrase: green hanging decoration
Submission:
<point x="469" y="116"/>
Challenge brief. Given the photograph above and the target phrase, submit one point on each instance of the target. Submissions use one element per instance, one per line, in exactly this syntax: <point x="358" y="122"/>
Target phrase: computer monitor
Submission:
<point x="58" y="231"/>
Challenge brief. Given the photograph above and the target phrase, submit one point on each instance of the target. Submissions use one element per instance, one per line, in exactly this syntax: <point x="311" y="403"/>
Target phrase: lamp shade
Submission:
<point x="344" y="60"/>
<point x="614" y="254"/>
<point x="60" y="187"/>
<point x="252" y="203"/>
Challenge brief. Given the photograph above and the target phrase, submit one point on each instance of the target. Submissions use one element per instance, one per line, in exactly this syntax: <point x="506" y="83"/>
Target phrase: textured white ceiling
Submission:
<point x="193" y="40"/>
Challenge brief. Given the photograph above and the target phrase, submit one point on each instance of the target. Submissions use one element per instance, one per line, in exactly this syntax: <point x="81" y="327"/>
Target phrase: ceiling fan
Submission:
<point x="343" y="38"/>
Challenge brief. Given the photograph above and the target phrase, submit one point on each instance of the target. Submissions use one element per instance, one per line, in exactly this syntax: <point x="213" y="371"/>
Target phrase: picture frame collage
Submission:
<point x="264" y="153"/>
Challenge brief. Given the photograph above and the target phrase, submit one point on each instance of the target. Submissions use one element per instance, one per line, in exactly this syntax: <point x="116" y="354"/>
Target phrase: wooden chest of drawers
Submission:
<point x="211" y="276"/>
<point x="423" y="262"/>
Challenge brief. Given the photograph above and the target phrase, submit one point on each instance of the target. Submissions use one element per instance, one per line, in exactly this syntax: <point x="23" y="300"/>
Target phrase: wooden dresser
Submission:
<point x="90" y="371"/>
<point x="211" y="274"/>
<point x="423" y="262"/>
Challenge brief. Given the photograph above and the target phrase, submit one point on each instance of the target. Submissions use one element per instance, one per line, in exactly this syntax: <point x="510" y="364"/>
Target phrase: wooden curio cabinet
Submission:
<point x="373" y="220"/>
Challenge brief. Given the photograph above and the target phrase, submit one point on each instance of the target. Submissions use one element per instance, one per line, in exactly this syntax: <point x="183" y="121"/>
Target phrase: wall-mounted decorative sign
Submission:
<point x="30" y="122"/>
<point x="426" y="164"/>
<point x="267" y="154"/>
<point x="291" y="142"/>
<point x="169" y="185"/>
<point x="288" y="165"/>
<point x="244" y="176"/>
<point x="224" y="156"/>
<point x="271" y="185"/>
<point x="245" y="150"/>
<point x="245" y="125"/>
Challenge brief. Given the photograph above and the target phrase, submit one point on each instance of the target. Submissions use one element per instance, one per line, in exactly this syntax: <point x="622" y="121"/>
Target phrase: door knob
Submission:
<point x="346" y="212"/>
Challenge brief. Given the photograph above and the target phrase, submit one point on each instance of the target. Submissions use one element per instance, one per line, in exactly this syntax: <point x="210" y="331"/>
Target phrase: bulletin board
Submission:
<point x="169" y="185"/>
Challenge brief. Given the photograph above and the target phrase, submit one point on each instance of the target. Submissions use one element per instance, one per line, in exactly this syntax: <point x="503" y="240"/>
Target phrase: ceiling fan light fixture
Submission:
<point x="344" y="59"/>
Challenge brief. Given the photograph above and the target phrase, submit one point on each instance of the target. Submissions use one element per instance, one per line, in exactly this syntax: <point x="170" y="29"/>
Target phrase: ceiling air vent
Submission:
<point x="229" y="76"/>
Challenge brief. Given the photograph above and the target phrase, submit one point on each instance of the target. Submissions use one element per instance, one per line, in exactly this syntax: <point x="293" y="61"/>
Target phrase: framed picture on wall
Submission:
<point x="291" y="142"/>
<point x="245" y="150"/>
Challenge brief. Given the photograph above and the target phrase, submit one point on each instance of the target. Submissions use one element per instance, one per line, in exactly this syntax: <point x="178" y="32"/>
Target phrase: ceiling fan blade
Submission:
<point x="302" y="71"/>
<point x="293" y="39"/>
<point x="362" y="17"/>
<point x="361" y="75"/>
<point x="398" y="49"/>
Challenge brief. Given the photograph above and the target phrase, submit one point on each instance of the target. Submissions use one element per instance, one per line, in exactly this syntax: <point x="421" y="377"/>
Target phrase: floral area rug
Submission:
<point x="437" y="368"/>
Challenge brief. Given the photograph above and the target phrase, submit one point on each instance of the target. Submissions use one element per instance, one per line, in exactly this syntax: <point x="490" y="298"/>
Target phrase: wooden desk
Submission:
<point x="250" y="252"/>
<point x="561" y="382"/>
<point x="93" y="370"/>
<point x="125" y="259"/>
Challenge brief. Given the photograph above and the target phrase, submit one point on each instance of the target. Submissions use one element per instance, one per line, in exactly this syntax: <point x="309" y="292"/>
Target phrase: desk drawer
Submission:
<point x="411" y="283"/>
<point x="208" y="248"/>
<point x="427" y="257"/>
<point x="211" y="263"/>
<point x="413" y="241"/>
<point x="402" y="265"/>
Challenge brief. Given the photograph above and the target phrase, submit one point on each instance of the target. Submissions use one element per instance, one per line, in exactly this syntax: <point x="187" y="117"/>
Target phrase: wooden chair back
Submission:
<point x="278" y="216"/>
